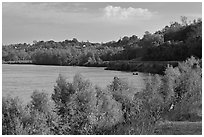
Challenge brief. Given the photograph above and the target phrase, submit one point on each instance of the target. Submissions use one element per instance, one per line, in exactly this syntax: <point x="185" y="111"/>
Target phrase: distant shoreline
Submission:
<point x="18" y="62"/>
<point x="154" y="67"/>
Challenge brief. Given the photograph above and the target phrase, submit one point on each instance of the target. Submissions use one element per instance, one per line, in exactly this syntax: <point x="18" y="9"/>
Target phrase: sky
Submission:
<point x="24" y="22"/>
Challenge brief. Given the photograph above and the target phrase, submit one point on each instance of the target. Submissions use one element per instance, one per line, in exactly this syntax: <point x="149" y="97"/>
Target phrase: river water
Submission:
<point x="22" y="80"/>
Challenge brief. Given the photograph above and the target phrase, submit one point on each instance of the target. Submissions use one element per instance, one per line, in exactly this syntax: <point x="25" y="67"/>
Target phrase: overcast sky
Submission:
<point x="96" y="22"/>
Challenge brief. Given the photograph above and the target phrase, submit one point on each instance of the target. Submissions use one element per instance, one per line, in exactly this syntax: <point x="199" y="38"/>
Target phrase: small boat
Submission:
<point x="135" y="73"/>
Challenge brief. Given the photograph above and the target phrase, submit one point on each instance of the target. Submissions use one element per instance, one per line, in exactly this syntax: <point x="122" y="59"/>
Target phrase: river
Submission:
<point x="22" y="80"/>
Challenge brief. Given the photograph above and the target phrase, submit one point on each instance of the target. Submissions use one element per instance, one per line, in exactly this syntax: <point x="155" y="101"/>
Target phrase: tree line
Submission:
<point x="174" y="42"/>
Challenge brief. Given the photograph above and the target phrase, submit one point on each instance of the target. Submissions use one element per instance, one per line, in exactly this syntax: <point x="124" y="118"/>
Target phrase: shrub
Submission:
<point x="12" y="113"/>
<point x="139" y="109"/>
<point x="146" y="108"/>
<point x="37" y="117"/>
<point x="36" y="123"/>
<point x="87" y="110"/>
<point x="74" y="103"/>
<point x="41" y="114"/>
<point x="62" y="92"/>
<point x="188" y="90"/>
<point x="79" y="108"/>
<point x="40" y="101"/>
<point x="178" y="92"/>
<point x="109" y="111"/>
<point x="152" y="97"/>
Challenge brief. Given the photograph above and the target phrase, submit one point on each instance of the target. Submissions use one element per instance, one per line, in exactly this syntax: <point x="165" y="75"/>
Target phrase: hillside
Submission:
<point x="175" y="42"/>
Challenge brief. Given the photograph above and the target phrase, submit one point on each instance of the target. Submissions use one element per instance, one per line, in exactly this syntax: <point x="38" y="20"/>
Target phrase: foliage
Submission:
<point x="79" y="108"/>
<point x="138" y="116"/>
<point x="175" y="42"/>
<point x="40" y="102"/>
<point x="62" y="92"/>
<point x="36" y="118"/>
<point x="12" y="111"/>
<point x="178" y="93"/>
<point x="188" y="90"/>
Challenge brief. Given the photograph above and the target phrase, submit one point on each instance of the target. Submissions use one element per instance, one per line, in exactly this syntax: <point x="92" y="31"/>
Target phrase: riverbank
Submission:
<point x="18" y="62"/>
<point x="132" y="112"/>
<point x="154" y="67"/>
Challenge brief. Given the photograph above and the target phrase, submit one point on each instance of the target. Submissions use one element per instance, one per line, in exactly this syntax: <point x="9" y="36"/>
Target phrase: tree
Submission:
<point x="184" y="20"/>
<point x="150" y="40"/>
<point x="35" y="41"/>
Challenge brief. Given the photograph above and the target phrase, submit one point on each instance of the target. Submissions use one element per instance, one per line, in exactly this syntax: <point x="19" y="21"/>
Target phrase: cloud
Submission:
<point x="60" y="6"/>
<point x="71" y="13"/>
<point x="45" y="13"/>
<point x="118" y="13"/>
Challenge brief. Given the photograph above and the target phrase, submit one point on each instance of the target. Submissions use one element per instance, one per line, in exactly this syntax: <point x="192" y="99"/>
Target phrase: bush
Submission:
<point x="40" y="102"/>
<point x="62" y="92"/>
<point x="114" y="110"/>
<point x="188" y="90"/>
<point x="138" y="116"/>
<point x="35" y="118"/>
<point x="109" y="111"/>
<point x="73" y="102"/>
<point x="41" y="113"/>
<point x="178" y="92"/>
<point x="36" y="123"/>
<point x="12" y="113"/>
<point x="85" y="109"/>
<point x="78" y="107"/>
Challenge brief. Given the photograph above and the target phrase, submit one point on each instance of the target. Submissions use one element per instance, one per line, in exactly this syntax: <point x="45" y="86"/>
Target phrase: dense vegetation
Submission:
<point x="154" y="67"/>
<point x="175" y="42"/>
<point x="78" y="107"/>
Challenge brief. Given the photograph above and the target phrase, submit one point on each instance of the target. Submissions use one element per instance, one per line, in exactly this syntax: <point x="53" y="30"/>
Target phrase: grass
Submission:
<point x="179" y="128"/>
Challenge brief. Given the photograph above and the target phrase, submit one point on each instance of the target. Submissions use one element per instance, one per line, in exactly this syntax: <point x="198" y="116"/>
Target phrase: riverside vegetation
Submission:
<point x="175" y="42"/>
<point x="78" y="107"/>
